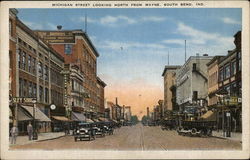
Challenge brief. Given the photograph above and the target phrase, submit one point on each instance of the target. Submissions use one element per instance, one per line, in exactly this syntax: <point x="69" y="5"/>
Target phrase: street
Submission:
<point x="137" y="137"/>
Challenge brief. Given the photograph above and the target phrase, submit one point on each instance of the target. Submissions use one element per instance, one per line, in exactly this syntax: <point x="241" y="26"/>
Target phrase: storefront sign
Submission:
<point x="23" y="100"/>
<point x="58" y="37"/>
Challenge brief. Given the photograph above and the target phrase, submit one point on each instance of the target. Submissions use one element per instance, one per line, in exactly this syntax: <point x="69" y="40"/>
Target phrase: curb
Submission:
<point x="51" y="138"/>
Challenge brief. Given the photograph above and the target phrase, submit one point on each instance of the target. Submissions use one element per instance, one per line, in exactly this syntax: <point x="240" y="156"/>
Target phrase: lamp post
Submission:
<point x="35" y="136"/>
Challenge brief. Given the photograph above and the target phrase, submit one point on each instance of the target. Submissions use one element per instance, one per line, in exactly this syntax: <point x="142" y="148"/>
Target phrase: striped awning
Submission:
<point x="78" y="116"/>
<point x="39" y="115"/>
<point x="61" y="118"/>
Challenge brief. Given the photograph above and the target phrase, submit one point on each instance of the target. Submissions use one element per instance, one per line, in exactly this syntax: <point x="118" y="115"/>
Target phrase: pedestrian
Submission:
<point x="14" y="133"/>
<point x="30" y="131"/>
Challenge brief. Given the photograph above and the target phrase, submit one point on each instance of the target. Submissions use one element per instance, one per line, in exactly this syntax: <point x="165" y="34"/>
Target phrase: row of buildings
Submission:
<point x="206" y="83"/>
<point x="52" y="76"/>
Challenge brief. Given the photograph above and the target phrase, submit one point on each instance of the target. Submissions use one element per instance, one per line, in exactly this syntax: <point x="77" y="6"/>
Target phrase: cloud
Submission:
<point x="119" y="20"/>
<point x="153" y="19"/>
<point x="228" y="20"/>
<point x="34" y="26"/>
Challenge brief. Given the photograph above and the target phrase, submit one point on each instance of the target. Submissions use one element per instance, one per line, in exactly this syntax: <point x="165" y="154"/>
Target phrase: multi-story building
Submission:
<point x="230" y="84"/>
<point x="175" y="106"/>
<point x="76" y="47"/>
<point x="100" y="96"/>
<point x="74" y="92"/>
<point x="191" y="82"/>
<point x="127" y="113"/>
<point x="169" y="79"/>
<point x="35" y="73"/>
<point x="213" y="72"/>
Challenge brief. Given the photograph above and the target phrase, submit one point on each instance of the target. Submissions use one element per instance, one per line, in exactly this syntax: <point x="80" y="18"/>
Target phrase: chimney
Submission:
<point x="147" y="112"/>
<point x="116" y="100"/>
<point x="59" y="27"/>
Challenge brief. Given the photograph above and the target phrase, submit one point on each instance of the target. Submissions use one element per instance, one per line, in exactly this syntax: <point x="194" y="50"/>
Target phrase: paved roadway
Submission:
<point x="137" y="137"/>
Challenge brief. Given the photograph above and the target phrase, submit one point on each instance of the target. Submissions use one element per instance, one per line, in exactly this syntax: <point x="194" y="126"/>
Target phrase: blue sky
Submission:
<point x="134" y="43"/>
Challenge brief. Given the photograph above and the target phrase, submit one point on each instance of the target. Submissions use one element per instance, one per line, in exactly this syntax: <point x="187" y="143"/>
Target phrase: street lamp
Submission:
<point x="35" y="136"/>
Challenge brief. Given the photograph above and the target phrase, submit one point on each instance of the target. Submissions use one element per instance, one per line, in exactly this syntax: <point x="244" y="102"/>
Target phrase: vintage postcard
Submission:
<point x="124" y="79"/>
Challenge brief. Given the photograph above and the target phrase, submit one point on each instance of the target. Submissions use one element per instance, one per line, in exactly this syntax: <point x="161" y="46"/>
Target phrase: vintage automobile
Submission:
<point x="168" y="124"/>
<point x="152" y="123"/>
<point x="83" y="131"/>
<point x="99" y="129"/>
<point x="108" y="128"/>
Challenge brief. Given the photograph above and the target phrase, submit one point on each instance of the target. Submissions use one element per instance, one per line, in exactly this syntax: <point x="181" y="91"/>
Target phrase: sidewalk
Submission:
<point x="235" y="136"/>
<point x="21" y="140"/>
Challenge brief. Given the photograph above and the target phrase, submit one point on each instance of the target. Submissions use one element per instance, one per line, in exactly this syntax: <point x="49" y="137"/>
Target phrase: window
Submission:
<point x="234" y="90"/>
<point x="46" y="95"/>
<point x="19" y="54"/>
<point x="72" y="84"/>
<point x="34" y="90"/>
<point x="29" y="63"/>
<point x="30" y="89"/>
<point x="34" y="65"/>
<point x="20" y="87"/>
<point x="25" y="84"/>
<point x="239" y="58"/>
<point x="233" y="68"/>
<point x="41" y="93"/>
<point x="68" y="48"/>
<point x="228" y="89"/>
<point x="227" y="71"/>
<point x="24" y="61"/>
<point x="40" y="69"/>
<point x="10" y="27"/>
<point x="221" y="75"/>
<point x="46" y="72"/>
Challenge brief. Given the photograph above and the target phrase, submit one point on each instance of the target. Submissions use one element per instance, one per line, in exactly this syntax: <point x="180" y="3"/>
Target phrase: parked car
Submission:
<point x="84" y="130"/>
<point x="99" y="129"/>
<point x="151" y="123"/>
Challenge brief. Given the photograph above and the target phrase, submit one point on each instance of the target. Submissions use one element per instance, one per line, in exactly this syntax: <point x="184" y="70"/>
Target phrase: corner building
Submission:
<point x="76" y="47"/>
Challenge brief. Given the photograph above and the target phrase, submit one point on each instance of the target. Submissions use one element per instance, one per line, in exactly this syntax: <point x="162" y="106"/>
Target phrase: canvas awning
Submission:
<point x="89" y="120"/>
<point x="95" y="120"/>
<point x="78" y="116"/>
<point x="209" y="116"/>
<point x="23" y="115"/>
<point x="103" y="119"/>
<point x="61" y="118"/>
<point x="39" y="115"/>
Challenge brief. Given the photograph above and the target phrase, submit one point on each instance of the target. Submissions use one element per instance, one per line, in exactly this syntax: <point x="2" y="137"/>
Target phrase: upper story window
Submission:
<point x="68" y="48"/>
<point x="24" y="61"/>
<point x="239" y="58"/>
<point x="221" y="75"/>
<point x="233" y="68"/>
<point x="40" y="69"/>
<point x="10" y="27"/>
<point x="46" y="72"/>
<point x="227" y="71"/>
<point x="29" y="63"/>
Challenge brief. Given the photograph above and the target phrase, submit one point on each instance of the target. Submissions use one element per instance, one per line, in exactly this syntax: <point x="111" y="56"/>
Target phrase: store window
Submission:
<point x="227" y="71"/>
<point x="68" y="49"/>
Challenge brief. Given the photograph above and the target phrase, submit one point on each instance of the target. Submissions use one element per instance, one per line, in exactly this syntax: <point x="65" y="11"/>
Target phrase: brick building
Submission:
<point x="76" y="47"/>
<point x="100" y="85"/>
<point x="35" y="72"/>
<point x="169" y="79"/>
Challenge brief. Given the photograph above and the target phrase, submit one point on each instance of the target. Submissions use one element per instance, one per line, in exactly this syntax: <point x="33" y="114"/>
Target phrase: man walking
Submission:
<point x="14" y="133"/>
<point x="30" y="130"/>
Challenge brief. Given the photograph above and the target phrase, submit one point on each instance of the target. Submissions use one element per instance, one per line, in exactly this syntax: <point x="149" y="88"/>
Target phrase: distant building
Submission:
<point x="127" y="113"/>
<point x="169" y="80"/>
<point x="100" y="97"/>
<point x="191" y="82"/>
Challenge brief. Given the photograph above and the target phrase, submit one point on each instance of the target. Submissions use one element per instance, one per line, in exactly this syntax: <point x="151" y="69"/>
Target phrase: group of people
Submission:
<point x="14" y="132"/>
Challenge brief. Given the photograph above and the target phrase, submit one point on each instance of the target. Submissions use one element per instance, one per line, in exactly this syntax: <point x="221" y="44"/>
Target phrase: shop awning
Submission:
<point x="78" y="116"/>
<point x="61" y="118"/>
<point x="89" y="120"/>
<point x="209" y="116"/>
<point x="103" y="119"/>
<point x="95" y="120"/>
<point x="39" y="115"/>
<point x="23" y="115"/>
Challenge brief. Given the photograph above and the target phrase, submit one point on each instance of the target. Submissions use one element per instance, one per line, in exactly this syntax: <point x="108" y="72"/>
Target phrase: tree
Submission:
<point x="134" y="119"/>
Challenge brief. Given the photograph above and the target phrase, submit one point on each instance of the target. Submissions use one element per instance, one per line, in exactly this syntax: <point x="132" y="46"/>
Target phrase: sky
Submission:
<point x="134" y="43"/>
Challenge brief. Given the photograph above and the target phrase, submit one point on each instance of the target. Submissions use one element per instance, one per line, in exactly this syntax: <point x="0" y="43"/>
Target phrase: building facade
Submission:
<point x="230" y="82"/>
<point x="100" y="97"/>
<point x="191" y="82"/>
<point x="32" y="62"/>
<point x="169" y="79"/>
<point x="76" y="47"/>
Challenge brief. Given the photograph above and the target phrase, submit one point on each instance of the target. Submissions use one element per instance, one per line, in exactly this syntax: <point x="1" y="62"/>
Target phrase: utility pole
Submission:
<point x="86" y="21"/>
<point x="168" y="57"/>
<point x="185" y="51"/>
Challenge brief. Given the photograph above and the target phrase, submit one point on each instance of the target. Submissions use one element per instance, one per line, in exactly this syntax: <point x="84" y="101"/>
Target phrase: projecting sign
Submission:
<point x="23" y="100"/>
<point x="52" y="106"/>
